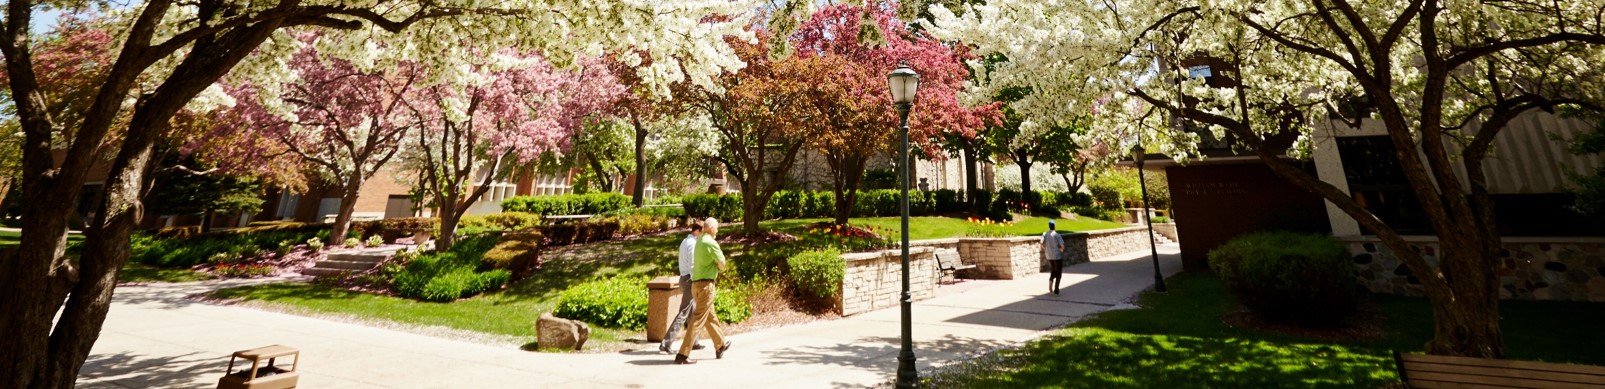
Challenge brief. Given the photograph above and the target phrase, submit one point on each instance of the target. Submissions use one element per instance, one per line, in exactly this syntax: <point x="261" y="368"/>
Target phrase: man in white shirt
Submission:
<point x="687" y="248"/>
<point x="1053" y="250"/>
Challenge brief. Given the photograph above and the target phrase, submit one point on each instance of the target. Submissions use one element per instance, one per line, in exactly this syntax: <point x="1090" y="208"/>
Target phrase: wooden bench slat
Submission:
<point x="1423" y="384"/>
<point x="1513" y="373"/>
<point x="1492" y="380"/>
<point x="1505" y="363"/>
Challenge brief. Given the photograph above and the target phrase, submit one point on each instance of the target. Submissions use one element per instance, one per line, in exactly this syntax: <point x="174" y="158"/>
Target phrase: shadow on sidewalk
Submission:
<point x="139" y="371"/>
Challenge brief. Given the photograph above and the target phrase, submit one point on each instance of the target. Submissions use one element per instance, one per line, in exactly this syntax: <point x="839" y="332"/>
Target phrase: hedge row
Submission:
<point x="881" y="202"/>
<point x="170" y="248"/>
<point x="584" y="204"/>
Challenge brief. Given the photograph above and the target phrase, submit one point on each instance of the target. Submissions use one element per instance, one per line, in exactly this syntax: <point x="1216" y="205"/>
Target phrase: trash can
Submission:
<point x="663" y="302"/>
<point x="262" y="377"/>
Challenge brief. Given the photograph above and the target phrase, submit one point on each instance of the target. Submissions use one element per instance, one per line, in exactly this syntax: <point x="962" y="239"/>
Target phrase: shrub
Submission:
<point x="504" y="221"/>
<point x="375" y="241"/>
<point x="630" y="225"/>
<point x="194" y="249"/>
<point x="572" y="204"/>
<point x="731" y="306"/>
<point x="1160" y="219"/>
<point x="516" y="252"/>
<point x="819" y="273"/>
<point x="352" y="242"/>
<point x="726" y="207"/>
<point x="617" y="302"/>
<point x="1076" y="199"/>
<point x="947" y="201"/>
<point x="981" y="201"/>
<point x="563" y="234"/>
<point x="1288" y="277"/>
<point x="664" y="200"/>
<point x="244" y="270"/>
<point x="1106" y="196"/>
<point x="450" y="275"/>
<point x="315" y="244"/>
<point x="391" y="229"/>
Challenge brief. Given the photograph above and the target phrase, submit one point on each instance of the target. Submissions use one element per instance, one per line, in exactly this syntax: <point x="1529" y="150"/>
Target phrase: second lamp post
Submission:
<point x="904" y="82"/>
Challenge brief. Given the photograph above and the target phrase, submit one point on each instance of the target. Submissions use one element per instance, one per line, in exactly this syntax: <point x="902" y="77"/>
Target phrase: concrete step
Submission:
<point x="347" y="265"/>
<point x="359" y="257"/>
<point x="320" y="272"/>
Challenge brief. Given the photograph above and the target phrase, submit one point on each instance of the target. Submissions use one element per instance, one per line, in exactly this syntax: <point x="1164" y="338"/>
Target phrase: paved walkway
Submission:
<point x="154" y="337"/>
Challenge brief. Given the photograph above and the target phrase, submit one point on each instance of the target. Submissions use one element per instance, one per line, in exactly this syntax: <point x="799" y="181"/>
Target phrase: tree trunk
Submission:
<point x="849" y="172"/>
<point x="348" y="204"/>
<point x="969" y="175"/>
<point x="1466" y="323"/>
<point x="638" y="193"/>
<point x="450" y="215"/>
<point x="752" y="209"/>
<point x="1025" y="176"/>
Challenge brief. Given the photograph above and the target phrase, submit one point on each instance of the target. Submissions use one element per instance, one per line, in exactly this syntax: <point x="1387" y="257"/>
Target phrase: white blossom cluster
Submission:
<point x="1110" y="58"/>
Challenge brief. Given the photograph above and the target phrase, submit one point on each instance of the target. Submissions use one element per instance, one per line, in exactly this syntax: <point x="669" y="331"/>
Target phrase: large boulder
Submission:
<point x="555" y="332"/>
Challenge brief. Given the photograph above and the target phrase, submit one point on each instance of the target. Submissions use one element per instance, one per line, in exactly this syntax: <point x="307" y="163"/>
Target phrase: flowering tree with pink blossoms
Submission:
<point x="500" y="118"/>
<point x="345" y="121"/>
<point x="849" y="95"/>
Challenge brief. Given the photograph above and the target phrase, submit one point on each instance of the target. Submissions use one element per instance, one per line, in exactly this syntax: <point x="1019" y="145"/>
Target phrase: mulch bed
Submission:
<point x="1366" y="324"/>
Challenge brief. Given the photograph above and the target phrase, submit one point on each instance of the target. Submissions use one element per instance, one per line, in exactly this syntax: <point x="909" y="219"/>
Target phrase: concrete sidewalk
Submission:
<point x="154" y="337"/>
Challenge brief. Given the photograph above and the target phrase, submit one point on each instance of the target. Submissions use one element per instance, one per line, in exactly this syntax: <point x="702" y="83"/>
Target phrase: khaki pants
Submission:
<point x="703" y="319"/>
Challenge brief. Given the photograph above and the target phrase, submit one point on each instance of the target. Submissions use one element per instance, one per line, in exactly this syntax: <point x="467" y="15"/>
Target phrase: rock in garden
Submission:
<point x="555" y="332"/>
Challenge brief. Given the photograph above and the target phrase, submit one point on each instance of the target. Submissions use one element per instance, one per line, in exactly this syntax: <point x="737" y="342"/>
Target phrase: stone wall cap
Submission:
<point x="1013" y="239"/>
<point x="932" y="242"/>
<point x="1113" y="230"/>
<point x="892" y="252"/>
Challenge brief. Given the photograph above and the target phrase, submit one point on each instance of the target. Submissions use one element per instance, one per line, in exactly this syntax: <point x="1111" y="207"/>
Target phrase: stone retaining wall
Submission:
<point x="1167" y="230"/>
<point x="1112" y="242"/>
<point x="874" y="280"/>
<point x="1003" y="258"/>
<point x="1570" y="269"/>
<point x="948" y="250"/>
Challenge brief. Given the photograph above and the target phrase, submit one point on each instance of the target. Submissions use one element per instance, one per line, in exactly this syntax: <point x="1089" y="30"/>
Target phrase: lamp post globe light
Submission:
<point x="1137" y="153"/>
<point x="904" y="82"/>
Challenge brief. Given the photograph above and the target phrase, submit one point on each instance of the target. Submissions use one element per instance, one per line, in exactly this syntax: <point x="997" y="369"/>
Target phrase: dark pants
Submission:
<point x="1055" y="272"/>
<point x="687" y="306"/>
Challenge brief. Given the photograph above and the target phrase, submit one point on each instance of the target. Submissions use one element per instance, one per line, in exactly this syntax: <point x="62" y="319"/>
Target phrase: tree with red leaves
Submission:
<point x="847" y="91"/>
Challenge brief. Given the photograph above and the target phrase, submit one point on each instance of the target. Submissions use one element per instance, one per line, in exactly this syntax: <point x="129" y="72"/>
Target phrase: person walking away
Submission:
<point x="709" y="260"/>
<point x="688" y="247"/>
<point x="1053" y="250"/>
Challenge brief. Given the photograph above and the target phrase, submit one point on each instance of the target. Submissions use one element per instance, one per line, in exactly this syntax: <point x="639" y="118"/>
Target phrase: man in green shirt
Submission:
<point x="709" y="259"/>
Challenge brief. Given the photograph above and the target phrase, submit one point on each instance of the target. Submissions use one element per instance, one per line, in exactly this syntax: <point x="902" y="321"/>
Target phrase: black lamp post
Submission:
<point x="1142" y="181"/>
<point x="904" y="82"/>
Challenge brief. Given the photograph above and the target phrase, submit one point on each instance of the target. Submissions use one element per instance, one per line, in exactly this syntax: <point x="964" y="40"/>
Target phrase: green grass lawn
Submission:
<point x="1179" y="341"/>
<point x="513" y="311"/>
<point x="509" y="312"/>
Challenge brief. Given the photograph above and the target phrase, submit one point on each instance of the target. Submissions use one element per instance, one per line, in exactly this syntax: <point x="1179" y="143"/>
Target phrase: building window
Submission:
<point x="1200" y="71"/>
<point x="1378" y="183"/>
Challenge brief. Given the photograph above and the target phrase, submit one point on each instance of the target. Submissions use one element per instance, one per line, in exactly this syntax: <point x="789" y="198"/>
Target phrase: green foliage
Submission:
<point x="1289" y="277"/>
<point x="631" y="225"/>
<point x="251" y="241"/>
<point x="663" y="211"/>
<point x="516" y="252"/>
<point x="243" y="270"/>
<point x="504" y="221"/>
<point x="664" y="200"/>
<point x="388" y="230"/>
<point x="731" y="306"/>
<point x="1589" y="188"/>
<point x="352" y="242"/>
<point x="562" y="234"/>
<point x="450" y="275"/>
<point x="1160" y="219"/>
<point x="375" y="241"/>
<point x="879" y="179"/>
<point x="1106" y="197"/>
<point x="947" y="200"/>
<point x="986" y="228"/>
<point x="576" y="204"/>
<point x="819" y="273"/>
<point x="617" y="302"/>
<point x="981" y="201"/>
<point x="725" y="207"/>
<point x="179" y="192"/>
<point x="315" y="244"/>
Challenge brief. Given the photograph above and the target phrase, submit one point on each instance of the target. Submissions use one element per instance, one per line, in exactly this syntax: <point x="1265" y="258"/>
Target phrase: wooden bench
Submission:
<point x="948" y="267"/>
<point x="1436" y="371"/>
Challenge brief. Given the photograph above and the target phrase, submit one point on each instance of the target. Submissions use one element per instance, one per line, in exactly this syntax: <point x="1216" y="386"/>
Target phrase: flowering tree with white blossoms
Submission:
<point x="172" y="51"/>
<point x="1445" y="77"/>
